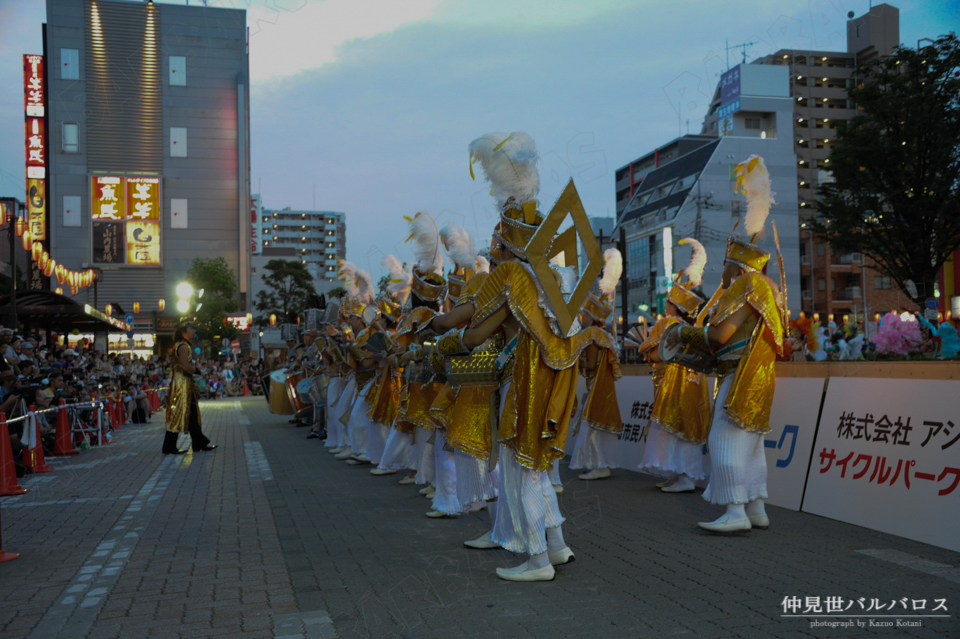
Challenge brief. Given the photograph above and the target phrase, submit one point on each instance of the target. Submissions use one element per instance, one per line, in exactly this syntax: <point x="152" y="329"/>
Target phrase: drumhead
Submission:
<point x="667" y="354"/>
<point x="304" y="386"/>
<point x="278" y="377"/>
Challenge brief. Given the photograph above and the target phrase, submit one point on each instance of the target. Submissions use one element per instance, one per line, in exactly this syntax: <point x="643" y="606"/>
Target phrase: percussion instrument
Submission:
<point x="370" y="315"/>
<point x="290" y="383"/>
<point x="479" y="368"/>
<point x="279" y="400"/>
<point x="304" y="386"/>
<point x="313" y="318"/>
<point x="331" y="313"/>
<point x="693" y="356"/>
<point x="317" y="391"/>
<point x="378" y="345"/>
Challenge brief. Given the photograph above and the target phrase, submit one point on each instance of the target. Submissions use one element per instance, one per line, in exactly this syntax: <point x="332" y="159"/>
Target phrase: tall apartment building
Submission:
<point x="685" y="188"/>
<point x="832" y="283"/>
<point x="149" y="144"/>
<point x="318" y="238"/>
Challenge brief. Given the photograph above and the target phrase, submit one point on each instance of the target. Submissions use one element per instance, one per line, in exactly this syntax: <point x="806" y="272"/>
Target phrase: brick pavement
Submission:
<point x="270" y="536"/>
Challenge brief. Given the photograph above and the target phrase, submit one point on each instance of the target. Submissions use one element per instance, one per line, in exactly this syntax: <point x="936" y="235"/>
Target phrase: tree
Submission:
<point x="289" y="285"/>
<point x="220" y="297"/>
<point x="896" y="168"/>
<point x="337" y="292"/>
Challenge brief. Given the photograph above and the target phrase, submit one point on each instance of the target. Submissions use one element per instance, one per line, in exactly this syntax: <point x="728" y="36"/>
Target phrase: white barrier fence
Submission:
<point x="878" y="453"/>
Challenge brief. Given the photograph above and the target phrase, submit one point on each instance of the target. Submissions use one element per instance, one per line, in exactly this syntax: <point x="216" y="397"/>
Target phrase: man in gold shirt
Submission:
<point x="746" y="335"/>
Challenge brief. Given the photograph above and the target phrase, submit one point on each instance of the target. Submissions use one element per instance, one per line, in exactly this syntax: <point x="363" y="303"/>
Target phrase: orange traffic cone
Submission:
<point x="114" y="414"/>
<point x="154" y="398"/>
<point x="33" y="457"/>
<point x="8" y="471"/>
<point x="4" y="555"/>
<point x="246" y="391"/>
<point x="63" y="445"/>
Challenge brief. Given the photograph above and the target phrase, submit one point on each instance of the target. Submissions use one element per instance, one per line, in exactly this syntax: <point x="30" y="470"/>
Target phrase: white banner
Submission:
<point x="635" y="398"/>
<point x="793" y="423"/>
<point x="887" y="457"/>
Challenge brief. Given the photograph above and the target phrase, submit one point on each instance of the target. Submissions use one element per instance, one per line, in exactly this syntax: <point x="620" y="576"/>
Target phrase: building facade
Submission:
<point x="686" y="189"/>
<point x="148" y="129"/>
<point x="318" y="238"/>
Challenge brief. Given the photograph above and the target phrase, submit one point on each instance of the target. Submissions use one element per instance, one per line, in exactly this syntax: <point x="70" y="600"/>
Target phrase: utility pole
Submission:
<point x="624" y="286"/>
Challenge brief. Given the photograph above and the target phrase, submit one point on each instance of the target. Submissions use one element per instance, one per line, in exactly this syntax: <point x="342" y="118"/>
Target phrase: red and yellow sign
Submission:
<point x="34" y="148"/>
<point x="34" y="91"/>
<point x="37" y="209"/>
<point x="143" y="243"/>
<point x="143" y="198"/>
<point x="107" y="200"/>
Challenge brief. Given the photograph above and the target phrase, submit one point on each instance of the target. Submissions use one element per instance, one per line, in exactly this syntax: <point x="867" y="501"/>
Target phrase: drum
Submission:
<point x="291" y="384"/>
<point x="692" y="356"/>
<point x="279" y="400"/>
<point x="317" y="391"/>
<point x="304" y="386"/>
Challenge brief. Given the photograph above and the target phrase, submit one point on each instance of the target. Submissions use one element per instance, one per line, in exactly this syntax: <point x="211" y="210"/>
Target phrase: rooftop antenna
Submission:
<point x="743" y="46"/>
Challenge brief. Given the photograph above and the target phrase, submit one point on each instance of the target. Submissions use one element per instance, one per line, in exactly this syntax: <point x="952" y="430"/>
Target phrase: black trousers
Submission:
<point x="198" y="440"/>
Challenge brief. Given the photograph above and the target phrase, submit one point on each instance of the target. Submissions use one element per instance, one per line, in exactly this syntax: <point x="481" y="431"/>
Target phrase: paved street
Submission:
<point x="269" y="536"/>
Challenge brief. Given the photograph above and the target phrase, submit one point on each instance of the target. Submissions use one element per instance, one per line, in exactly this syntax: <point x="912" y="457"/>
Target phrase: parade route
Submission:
<point x="269" y="536"/>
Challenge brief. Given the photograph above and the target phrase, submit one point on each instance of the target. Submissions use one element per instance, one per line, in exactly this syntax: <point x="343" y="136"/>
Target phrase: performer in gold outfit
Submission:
<point x="746" y="334"/>
<point x="680" y="418"/>
<point x="183" y="411"/>
<point x="539" y="362"/>
<point x="599" y="424"/>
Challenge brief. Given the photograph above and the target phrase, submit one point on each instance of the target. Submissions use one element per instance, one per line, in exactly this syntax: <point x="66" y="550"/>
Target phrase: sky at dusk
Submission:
<point x="371" y="103"/>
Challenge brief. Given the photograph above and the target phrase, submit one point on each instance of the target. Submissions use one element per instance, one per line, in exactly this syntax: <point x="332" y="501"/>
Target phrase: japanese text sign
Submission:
<point x="126" y="220"/>
<point x="33" y="88"/>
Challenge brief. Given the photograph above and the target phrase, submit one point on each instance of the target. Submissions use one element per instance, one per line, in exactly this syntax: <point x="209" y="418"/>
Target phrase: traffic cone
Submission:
<point x="63" y="445"/>
<point x="114" y="415"/>
<point x="4" y="555"/>
<point x="246" y="391"/>
<point x="154" y="398"/>
<point x="33" y="457"/>
<point x="8" y="471"/>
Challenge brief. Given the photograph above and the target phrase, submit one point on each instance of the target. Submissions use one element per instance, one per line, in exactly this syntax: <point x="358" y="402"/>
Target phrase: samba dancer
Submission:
<point x="183" y="409"/>
<point x="365" y="366"/>
<point x="352" y="325"/>
<point x="595" y="447"/>
<point x="680" y="418"/>
<point x="746" y="333"/>
<point x="538" y="365"/>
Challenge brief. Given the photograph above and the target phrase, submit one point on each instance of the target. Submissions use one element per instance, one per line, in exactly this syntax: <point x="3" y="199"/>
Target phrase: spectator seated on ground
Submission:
<point x="137" y="405"/>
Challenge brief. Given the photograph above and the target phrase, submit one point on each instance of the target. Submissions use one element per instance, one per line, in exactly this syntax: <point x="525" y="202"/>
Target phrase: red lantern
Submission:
<point x="44" y="258"/>
<point x="109" y="309"/>
<point x="59" y="291"/>
<point x="136" y="307"/>
<point x="49" y="269"/>
<point x="20" y="226"/>
<point x="73" y="290"/>
<point x="162" y="304"/>
<point x="273" y="319"/>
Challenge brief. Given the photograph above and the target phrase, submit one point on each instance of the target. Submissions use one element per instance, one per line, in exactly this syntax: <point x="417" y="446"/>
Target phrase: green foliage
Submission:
<point x="220" y="298"/>
<point x="896" y="168"/>
<point x="289" y="284"/>
<point x="337" y="292"/>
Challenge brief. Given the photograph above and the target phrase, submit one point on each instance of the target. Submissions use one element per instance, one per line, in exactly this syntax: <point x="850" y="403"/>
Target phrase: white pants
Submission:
<point x="666" y="455"/>
<point x="396" y="451"/>
<point x="359" y="422"/>
<point x="423" y="456"/>
<point x="334" y="389"/>
<point x="594" y="448"/>
<point x="344" y="406"/>
<point x="445" y="500"/>
<point x="738" y="465"/>
<point x="474" y="483"/>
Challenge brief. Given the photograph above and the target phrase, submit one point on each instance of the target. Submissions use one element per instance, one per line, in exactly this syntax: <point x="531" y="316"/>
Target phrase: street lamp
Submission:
<point x="184" y="290"/>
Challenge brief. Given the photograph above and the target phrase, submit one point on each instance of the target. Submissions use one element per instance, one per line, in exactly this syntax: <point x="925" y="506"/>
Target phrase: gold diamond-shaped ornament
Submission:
<point x="546" y="244"/>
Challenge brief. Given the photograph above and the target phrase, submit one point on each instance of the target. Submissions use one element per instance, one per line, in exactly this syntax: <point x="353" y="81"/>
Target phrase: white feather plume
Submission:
<point x="426" y="243"/>
<point x="365" y="289"/>
<point x="348" y="273"/>
<point x="698" y="261"/>
<point x="401" y="278"/>
<point x="755" y="185"/>
<point x="509" y="162"/>
<point x="483" y="264"/>
<point x="612" y="270"/>
<point x="459" y="246"/>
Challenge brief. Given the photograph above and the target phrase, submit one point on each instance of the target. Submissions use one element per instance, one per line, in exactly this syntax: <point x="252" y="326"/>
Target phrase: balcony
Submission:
<point x="849" y="293"/>
<point x="849" y="258"/>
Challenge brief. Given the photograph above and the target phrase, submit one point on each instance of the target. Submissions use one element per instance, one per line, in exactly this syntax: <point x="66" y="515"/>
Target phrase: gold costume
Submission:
<point x="751" y="395"/>
<point x="681" y="404"/>
<point x="415" y="408"/>
<point x="183" y="393"/>
<point x="536" y="415"/>
<point x="601" y="409"/>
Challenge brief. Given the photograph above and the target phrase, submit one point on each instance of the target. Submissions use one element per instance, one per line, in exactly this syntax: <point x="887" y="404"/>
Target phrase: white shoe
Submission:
<point x="382" y="471"/>
<point x="562" y="556"/>
<point x="436" y="514"/>
<point x="524" y="573"/>
<point x="483" y="542"/>
<point x="726" y="524"/>
<point x="596" y="473"/>
<point x="760" y="521"/>
<point x="334" y="451"/>
<point x="669" y="482"/>
<point x="362" y="457"/>
<point x="346" y="453"/>
<point x="683" y="485"/>
<point x="558" y="488"/>
<point x="406" y="481"/>
<point x="427" y="490"/>
<point x="430" y="495"/>
<point x="353" y="461"/>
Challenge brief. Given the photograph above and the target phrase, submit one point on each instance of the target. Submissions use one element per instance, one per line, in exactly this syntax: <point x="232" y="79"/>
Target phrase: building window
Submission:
<point x="821" y="251"/>
<point x="882" y="282"/>
<point x="833" y="284"/>
<point x="178" y="142"/>
<point x="821" y="284"/>
<point x="178" y="71"/>
<point x="71" y="137"/>
<point x="752" y="123"/>
<point x="69" y="64"/>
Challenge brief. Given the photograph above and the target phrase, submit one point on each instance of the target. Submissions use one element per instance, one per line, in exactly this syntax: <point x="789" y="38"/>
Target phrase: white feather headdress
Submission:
<point x="426" y="243"/>
<point x="509" y="162"/>
<point x="459" y="246"/>
<point x="400" y="278"/>
<point x="365" y="288"/>
<point x="347" y="271"/>
<point x="753" y="180"/>
<point x="612" y="270"/>
<point x="698" y="261"/>
<point x="483" y="264"/>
